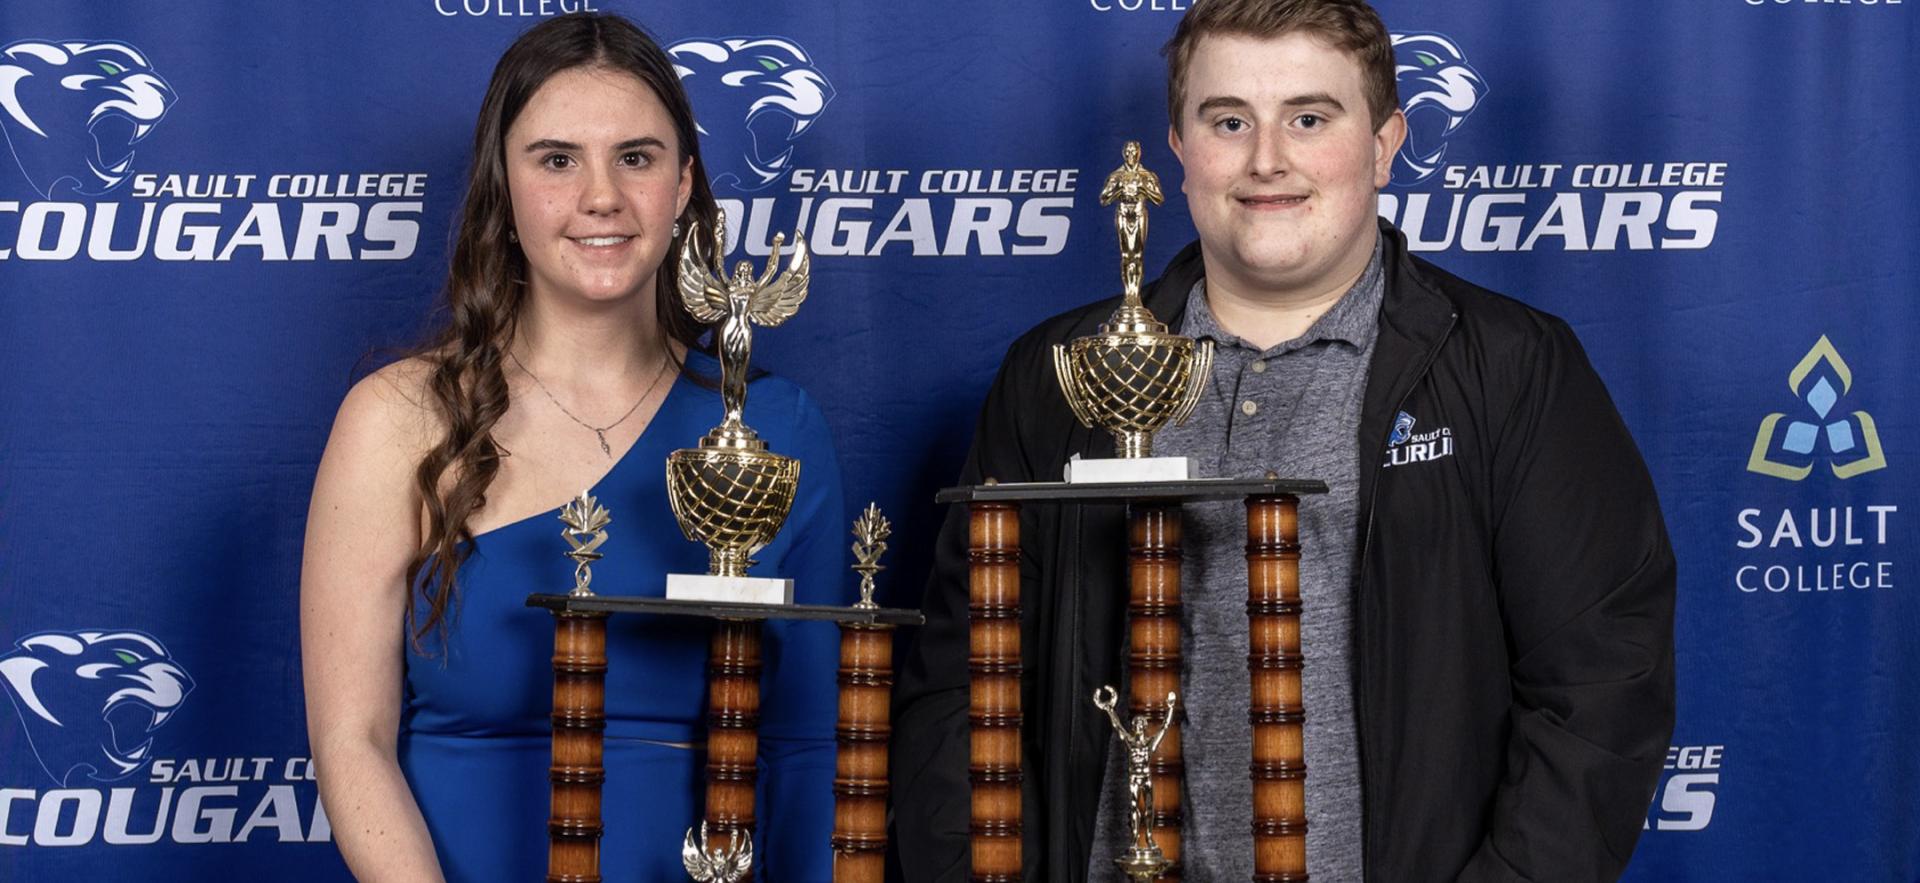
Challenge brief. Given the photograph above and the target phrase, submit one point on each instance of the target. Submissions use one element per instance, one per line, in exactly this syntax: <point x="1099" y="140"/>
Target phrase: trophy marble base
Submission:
<point x="1111" y="470"/>
<point x="732" y="589"/>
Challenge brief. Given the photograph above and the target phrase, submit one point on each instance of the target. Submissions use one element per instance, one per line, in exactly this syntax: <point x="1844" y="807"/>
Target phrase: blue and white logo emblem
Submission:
<point x="1405" y="446"/>
<point x="757" y="96"/>
<point x="88" y="700"/>
<point x="1438" y="89"/>
<point x="1402" y="430"/>
<point x="73" y="110"/>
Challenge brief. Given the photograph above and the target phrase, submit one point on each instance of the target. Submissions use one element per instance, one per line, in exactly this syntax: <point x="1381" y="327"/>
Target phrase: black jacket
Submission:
<point x="1512" y="621"/>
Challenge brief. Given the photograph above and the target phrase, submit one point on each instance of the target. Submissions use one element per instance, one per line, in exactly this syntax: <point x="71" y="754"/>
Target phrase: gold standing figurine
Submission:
<point x="870" y="532"/>
<point x="1133" y="187"/>
<point x="586" y="529"/>
<point x="719" y="864"/>
<point x="1133" y="376"/>
<point x="1143" y="860"/>
<point x="731" y="493"/>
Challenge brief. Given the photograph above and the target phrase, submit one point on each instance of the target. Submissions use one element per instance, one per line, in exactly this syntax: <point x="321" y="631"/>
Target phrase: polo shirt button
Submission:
<point x="1259" y="367"/>
<point x="1248" y="407"/>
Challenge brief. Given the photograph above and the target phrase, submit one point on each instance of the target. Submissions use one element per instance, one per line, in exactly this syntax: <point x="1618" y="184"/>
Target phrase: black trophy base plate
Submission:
<point x="1192" y="490"/>
<point x="725" y="609"/>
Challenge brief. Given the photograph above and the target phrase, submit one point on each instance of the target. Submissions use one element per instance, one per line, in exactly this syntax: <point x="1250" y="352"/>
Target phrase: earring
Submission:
<point x="676" y="229"/>
<point x="513" y="236"/>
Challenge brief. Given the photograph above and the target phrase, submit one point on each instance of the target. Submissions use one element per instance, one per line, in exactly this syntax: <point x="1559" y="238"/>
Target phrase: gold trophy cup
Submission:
<point x="1134" y="376"/>
<point x="730" y="492"/>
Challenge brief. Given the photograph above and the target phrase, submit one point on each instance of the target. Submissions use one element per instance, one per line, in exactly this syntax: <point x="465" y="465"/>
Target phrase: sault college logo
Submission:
<point x="1438" y="89"/>
<point x="1847" y="442"/>
<point x="760" y="94"/>
<point x="89" y="702"/>
<point x="1406" y="446"/>
<point x="73" y="110"/>
<point x="81" y="695"/>
<point x="1540" y="203"/>
<point x="758" y="97"/>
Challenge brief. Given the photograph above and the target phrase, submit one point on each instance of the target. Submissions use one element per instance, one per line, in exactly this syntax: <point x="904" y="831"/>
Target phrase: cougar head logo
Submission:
<point x="1402" y="429"/>
<point x="756" y="97"/>
<point x="1438" y="89"/>
<point x="89" y="699"/>
<point x="73" y="110"/>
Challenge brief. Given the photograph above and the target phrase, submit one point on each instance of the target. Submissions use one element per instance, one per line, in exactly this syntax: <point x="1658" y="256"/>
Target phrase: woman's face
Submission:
<point x="596" y="180"/>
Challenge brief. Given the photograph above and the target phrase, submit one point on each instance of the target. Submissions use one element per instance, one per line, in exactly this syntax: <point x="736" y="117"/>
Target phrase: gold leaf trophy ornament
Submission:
<point x="730" y="492"/>
<point x="1133" y="376"/>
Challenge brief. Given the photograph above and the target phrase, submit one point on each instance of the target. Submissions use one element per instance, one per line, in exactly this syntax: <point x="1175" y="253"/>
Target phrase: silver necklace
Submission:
<point x="599" y="432"/>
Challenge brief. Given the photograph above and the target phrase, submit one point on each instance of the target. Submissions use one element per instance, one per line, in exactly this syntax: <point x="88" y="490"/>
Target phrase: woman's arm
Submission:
<point x="362" y="528"/>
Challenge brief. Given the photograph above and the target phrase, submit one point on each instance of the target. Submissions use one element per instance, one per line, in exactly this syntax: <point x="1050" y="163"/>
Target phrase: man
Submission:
<point x="1488" y="586"/>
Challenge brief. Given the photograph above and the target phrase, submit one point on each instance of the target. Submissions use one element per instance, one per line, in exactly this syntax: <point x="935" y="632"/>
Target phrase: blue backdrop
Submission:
<point x="209" y="214"/>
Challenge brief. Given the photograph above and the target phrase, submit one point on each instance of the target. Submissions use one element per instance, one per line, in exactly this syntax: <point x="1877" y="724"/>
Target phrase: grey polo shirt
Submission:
<point x="1292" y="409"/>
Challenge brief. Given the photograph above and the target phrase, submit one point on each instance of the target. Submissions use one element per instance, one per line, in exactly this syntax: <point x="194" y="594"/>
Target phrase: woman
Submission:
<point x="567" y="362"/>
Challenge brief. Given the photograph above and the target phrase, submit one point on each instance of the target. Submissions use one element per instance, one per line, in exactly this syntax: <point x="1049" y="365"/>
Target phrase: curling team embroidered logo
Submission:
<point x="73" y="110"/>
<point x="1438" y="89"/>
<point x="88" y="700"/>
<point x="1790" y="446"/>
<point x="757" y="96"/>
<point x="1405" y="446"/>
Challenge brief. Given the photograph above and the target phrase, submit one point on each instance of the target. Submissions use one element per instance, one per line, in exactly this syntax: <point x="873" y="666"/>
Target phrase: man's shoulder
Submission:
<point x="1489" y="319"/>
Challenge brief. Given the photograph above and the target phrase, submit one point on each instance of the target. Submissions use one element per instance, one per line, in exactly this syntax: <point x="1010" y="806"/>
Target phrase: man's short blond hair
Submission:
<point x="1348" y="25"/>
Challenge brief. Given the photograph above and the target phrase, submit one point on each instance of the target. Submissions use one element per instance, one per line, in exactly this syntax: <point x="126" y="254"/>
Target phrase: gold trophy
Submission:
<point x="1143" y="860"/>
<point x="1134" y="376"/>
<point x="730" y="492"/>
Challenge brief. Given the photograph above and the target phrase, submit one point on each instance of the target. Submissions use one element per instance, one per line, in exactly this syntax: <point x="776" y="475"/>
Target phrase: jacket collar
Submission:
<point x="1415" y="318"/>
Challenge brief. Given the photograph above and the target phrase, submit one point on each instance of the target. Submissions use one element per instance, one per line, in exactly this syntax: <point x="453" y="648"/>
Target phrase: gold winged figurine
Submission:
<point x="739" y="303"/>
<point x="720" y="864"/>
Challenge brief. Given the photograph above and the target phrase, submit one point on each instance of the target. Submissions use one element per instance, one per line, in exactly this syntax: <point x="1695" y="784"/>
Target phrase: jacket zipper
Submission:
<point x="1359" y="658"/>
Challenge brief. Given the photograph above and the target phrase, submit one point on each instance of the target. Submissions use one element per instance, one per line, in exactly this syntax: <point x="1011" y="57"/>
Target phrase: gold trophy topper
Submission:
<point x="586" y="528"/>
<point x="731" y="493"/>
<point x="1143" y="859"/>
<point x="1132" y="186"/>
<point x="870" y="532"/>
<point x="712" y="862"/>
<point x="1133" y="376"/>
<point x="739" y="303"/>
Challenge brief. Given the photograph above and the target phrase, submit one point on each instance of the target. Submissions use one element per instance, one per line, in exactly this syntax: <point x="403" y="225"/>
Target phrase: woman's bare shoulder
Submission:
<point x="391" y="412"/>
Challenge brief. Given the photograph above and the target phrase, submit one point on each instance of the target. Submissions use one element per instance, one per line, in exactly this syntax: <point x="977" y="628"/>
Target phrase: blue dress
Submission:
<point x="474" y="732"/>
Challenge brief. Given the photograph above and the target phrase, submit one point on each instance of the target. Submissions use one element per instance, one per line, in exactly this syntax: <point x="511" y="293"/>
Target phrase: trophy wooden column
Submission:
<point x="993" y="606"/>
<point x="733" y="721"/>
<point x="1153" y="657"/>
<point x="579" y="725"/>
<point x="860" y="777"/>
<point x="1274" y="660"/>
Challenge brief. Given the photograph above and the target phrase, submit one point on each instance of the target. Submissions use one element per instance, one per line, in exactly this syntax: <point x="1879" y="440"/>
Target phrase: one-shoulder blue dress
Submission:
<point x="474" y="732"/>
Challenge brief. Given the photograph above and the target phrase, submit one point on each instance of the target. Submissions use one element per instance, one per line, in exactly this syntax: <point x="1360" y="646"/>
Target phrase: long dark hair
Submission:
<point x="486" y="286"/>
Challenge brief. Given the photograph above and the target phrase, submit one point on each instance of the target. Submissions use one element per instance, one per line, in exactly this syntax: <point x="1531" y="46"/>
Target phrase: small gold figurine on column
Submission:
<point x="1143" y="860"/>
<point x="579" y="706"/>
<point x="866" y="692"/>
<point x="586" y="528"/>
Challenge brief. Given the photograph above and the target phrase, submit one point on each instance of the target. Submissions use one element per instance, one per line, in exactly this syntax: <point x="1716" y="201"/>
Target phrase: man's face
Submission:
<point x="1283" y="166"/>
